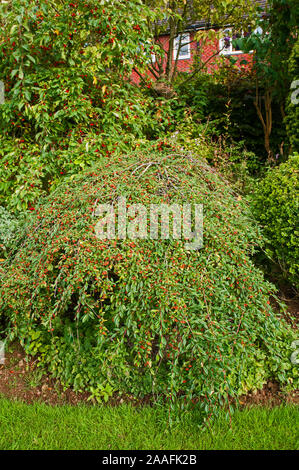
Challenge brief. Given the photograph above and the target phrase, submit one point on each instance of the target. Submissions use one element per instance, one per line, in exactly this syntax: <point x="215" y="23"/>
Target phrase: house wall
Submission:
<point x="206" y="51"/>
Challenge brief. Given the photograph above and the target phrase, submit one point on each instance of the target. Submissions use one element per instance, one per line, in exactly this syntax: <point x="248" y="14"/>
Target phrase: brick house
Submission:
<point x="208" y="50"/>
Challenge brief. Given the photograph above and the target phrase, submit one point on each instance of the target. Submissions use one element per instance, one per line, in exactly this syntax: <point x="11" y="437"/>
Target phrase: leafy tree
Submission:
<point x="68" y="94"/>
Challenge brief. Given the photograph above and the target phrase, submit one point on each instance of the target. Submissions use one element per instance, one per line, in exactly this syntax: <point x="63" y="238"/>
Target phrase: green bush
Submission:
<point x="146" y="317"/>
<point x="277" y="208"/>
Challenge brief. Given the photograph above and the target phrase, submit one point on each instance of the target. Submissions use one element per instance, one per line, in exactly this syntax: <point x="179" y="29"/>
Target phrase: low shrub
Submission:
<point x="146" y="317"/>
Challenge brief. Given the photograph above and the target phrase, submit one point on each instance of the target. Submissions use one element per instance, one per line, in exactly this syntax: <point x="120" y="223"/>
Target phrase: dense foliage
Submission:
<point x="293" y="100"/>
<point x="68" y="94"/>
<point x="277" y="207"/>
<point x="146" y="317"/>
<point x="272" y="47"/>
<point x="224" y="104"/>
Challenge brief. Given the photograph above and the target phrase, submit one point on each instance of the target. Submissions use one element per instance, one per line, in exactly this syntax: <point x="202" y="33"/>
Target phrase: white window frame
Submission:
<point x="185" y="40"/>
<point x="229" y="51"/>
<point x="153" y="57"/>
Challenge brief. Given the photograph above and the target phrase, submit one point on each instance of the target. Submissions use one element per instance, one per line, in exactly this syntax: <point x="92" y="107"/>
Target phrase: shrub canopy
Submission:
<point x="277" y="207"/>
<point x="146" y="316"/>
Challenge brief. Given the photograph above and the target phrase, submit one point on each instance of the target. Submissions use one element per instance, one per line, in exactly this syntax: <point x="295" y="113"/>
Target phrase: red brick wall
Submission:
<point x="206" y="51"/>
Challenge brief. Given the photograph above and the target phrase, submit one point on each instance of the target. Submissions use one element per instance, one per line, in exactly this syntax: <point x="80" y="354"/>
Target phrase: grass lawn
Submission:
<point x="40" y="426"/>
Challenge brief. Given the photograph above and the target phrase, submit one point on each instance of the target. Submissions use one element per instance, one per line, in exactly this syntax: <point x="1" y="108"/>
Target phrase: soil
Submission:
<point x="287" y="294"/>
<point x="20" y="379"/>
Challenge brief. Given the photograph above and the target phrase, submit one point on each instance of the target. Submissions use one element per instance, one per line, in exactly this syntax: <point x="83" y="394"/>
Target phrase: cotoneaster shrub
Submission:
<point x="277" y="208"/>
<point x="146" y="317"/>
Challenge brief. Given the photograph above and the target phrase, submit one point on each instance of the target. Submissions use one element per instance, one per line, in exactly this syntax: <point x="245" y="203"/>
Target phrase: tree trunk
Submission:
<point x="267" y="120"/>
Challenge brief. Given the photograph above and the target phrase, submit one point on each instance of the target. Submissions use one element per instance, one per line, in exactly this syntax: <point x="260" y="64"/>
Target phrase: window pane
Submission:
<point x="184" y="49"/>
<point x="185" y="46"/>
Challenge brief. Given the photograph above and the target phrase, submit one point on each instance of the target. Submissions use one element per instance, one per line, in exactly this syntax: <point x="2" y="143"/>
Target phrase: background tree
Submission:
<point x="172" y="18"/>
<point x="272" y="46"/>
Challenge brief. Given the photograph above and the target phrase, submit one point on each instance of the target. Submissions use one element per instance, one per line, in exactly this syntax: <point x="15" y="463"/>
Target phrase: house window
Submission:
<point x="226" y="42"/>
<point x="181" y="47"/>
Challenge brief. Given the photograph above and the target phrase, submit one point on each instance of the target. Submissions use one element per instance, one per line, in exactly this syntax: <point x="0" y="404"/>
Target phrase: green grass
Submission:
<point x="40" y="426"/>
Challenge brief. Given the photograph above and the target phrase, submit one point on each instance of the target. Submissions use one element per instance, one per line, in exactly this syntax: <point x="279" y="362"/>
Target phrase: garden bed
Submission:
<point x="20" y="379"/>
